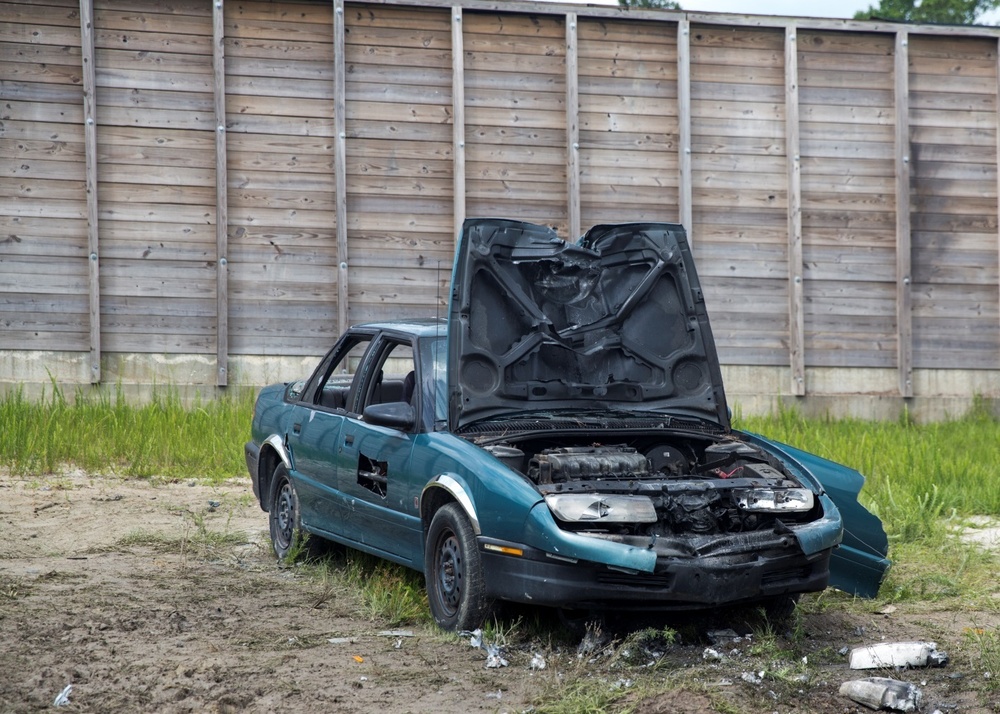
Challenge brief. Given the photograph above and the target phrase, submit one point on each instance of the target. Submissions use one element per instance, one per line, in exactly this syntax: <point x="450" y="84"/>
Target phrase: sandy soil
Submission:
<point x="167" y="598"/>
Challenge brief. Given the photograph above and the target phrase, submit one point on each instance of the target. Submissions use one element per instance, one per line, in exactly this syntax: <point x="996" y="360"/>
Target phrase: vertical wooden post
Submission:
<point x="684" y="192"/>
<point x="90" y="149"/>
<point x="998" y="157"/>
<point x="904" y="314"/>
<point x="572" y="127"/>
<point x="796" y="314"/>
<point x="340" y="159"/>
<point x="458" y="118"/>
<point x="221" y="197"/>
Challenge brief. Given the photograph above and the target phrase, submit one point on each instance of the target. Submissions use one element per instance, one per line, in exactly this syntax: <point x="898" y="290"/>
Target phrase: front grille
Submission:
<point x="789" y="575"/>
<point x="660" y="581"/>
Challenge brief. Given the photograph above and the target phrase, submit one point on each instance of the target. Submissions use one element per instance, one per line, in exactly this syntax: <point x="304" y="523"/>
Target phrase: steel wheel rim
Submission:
<point x="449" y="573"/>
<point x="285" y="515"/>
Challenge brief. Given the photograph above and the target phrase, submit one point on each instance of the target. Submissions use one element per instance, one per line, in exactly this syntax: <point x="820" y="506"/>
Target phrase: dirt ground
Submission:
<point x="166" y="598"/>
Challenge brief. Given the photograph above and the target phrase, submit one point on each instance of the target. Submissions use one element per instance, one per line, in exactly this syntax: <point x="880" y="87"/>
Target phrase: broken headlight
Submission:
<point x="769" y="500"/>
<point x="601" y="508"/>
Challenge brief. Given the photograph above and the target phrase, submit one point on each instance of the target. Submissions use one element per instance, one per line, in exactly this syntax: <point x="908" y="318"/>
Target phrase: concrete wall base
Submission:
<point x="869" y="394"/>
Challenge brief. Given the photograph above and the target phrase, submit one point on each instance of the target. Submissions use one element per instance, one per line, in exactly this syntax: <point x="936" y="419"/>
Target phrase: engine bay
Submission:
<point x="662" y="488"/>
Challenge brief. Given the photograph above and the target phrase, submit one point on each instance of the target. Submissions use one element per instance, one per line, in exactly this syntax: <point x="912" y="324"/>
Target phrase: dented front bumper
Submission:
<point x="569" y="569"/>
<point x="675" y="583"/>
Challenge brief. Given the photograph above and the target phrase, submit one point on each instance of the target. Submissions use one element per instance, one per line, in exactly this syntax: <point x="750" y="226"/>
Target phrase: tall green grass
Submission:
<point x="917" y="474"/>
<point x="105" y="434"/>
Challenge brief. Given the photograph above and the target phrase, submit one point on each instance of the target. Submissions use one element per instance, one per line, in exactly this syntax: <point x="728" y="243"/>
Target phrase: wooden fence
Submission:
<point x="246" y="178"/>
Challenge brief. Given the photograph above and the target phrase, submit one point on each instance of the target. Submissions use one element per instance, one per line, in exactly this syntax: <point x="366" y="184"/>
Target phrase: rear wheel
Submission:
<point x="454" y="572"/>
<point x="287" y="537"/>
<point x="283" y="516"/>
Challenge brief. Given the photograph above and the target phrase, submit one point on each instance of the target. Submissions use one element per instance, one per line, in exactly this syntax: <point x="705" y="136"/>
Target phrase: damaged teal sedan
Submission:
<point x="562" y="438"/>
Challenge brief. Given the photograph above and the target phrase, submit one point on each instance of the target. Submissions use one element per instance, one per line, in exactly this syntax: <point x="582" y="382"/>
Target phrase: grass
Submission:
<point x="104" y="434"/>
<point x="917" y="474"/>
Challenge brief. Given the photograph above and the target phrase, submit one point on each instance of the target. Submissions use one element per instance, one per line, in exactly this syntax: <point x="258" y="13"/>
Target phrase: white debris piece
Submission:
<point x="475" y="637"/>
<point x="63" y="699"/>
<point x="494" y="658"/>
<point x="883" y="693"/>
<point x="710" y="655"/>
<point x="898" y="654"/>
<point x="537" y="661"/>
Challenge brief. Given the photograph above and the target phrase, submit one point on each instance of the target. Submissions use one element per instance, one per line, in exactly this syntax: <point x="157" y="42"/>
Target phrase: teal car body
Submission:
<point x="561" y="438"/>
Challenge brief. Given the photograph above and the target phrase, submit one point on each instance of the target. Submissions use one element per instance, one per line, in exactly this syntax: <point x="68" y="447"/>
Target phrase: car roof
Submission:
<point x="417" y="327"/>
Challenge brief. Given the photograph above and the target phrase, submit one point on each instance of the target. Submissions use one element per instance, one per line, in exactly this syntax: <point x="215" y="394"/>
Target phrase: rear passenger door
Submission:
<point x="373" y="461"/>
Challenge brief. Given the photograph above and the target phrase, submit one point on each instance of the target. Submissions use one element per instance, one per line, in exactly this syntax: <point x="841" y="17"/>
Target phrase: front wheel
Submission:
<point x="454" y="572"/>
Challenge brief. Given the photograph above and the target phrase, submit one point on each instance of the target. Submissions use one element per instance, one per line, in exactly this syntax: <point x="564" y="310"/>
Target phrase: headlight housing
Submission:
<point x="601" y="508"/>
<point x="771" y="500"/>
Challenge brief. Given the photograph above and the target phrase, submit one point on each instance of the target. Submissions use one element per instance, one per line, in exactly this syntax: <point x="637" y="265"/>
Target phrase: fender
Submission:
<point x="456" y="489"/>
<point x="278" y="444"/>
<point x="272" y="447"/>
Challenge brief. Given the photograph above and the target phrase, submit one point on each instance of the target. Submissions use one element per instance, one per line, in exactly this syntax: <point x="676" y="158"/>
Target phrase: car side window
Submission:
<point x="336" y="388"/>
<point x="393" y="377"/>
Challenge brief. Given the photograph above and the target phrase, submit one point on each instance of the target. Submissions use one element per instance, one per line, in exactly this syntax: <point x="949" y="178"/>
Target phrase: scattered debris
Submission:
<point x="753" y="678"/>
<point x="475" y="637"/>
<point x="593" y="640"/>
<point x="342" y="640"/>
<point x="498" y="695"/>
<point x="212" y="505"/>
<point x="494" y="657"/>
<point x="898" y="654"/>
<point x="711" y="655"/>
<point x="882" y="693"/>
<point x="537" y="661"/>
<point x="63" y="699"/>
<point x="724" y="637"/>
<point x="396" y="633"/>
<point x="359" y="659"/>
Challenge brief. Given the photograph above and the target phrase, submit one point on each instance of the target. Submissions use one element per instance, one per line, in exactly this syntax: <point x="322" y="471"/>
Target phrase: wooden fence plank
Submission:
<point x="904" y="314"/>
<point x="796" y="315"/>
<point x="458" y="100"/>
<point x="221" y="198"/>
<point x="90" y="141"/>
<point x="684" y="144"/>
<point x="572" y="128"/>
<point x="340" y="160"/>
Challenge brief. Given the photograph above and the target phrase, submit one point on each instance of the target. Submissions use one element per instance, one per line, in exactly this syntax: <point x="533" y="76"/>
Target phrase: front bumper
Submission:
<point x="675" y="583"/>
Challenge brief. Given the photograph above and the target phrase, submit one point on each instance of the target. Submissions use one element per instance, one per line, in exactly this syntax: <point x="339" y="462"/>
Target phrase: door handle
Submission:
<point x="349" y="439"/>
<point x="296" y="428"/>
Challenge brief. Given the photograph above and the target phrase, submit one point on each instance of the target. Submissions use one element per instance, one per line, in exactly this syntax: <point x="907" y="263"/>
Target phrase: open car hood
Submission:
<point x="616" y="321"/>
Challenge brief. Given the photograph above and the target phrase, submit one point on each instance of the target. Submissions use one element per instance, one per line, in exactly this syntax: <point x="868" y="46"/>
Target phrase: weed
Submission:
<point x="389" y="593"/>
<point x="984" y="646"/>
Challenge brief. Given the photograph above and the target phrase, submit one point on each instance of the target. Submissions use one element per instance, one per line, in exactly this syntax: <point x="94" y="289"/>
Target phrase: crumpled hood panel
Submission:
<point x="616" y="320"/>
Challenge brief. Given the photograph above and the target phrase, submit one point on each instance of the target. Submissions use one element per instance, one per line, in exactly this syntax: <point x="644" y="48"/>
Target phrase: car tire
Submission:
<point x="780" y="608"/>
<point x="287" y="536"/>
<point x="454" y="572"/>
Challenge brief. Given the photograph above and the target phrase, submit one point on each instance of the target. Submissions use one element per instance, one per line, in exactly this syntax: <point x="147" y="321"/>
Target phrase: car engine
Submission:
<point x="664" y="490"/>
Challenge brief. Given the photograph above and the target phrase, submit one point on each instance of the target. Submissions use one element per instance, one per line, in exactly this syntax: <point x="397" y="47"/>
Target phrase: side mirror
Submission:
<point x="395" y="415"/>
